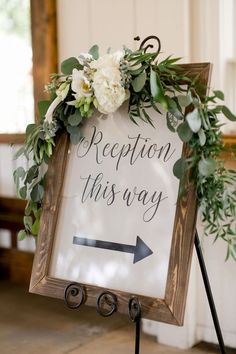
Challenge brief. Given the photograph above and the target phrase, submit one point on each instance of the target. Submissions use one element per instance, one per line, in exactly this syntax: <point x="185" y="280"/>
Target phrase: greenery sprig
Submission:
<point x="147" y="82"/>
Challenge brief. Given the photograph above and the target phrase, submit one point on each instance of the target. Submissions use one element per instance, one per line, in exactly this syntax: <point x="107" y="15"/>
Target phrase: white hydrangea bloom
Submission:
<point x="109" y="92"/>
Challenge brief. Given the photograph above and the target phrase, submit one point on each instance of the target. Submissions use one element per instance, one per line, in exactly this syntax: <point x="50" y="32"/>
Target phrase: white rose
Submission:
<point x="80" y="84"/>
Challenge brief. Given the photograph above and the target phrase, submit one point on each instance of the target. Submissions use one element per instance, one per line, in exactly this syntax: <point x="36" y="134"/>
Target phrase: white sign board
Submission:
<point x="118" y="205"/>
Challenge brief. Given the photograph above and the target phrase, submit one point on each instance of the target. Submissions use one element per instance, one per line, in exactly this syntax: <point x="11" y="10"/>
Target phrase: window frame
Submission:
<point x="44" y="47"/>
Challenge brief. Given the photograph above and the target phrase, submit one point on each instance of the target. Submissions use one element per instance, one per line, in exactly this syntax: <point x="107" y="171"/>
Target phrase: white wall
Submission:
<point x="83" y="23"/>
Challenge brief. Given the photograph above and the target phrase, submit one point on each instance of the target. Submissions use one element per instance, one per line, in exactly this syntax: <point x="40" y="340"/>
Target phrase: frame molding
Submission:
<point x="171" y="308"/>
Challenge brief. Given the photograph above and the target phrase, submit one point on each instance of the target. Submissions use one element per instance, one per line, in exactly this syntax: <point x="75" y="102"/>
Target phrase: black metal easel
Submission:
<point x="209" y="294"/>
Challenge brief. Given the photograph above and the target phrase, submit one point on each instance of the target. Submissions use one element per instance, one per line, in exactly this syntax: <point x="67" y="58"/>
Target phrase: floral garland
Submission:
<point x="90" y="83"/>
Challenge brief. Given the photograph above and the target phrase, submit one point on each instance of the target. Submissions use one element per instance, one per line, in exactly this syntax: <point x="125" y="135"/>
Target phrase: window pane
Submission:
<point x="16" y="89"/>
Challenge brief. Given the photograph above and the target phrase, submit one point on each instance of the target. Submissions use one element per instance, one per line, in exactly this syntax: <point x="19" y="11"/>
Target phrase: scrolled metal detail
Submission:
<point x="74" y="296"/>
<point x="145" y="48"/>
<point x="134" y="309"/>
<point x="106" y="304"/>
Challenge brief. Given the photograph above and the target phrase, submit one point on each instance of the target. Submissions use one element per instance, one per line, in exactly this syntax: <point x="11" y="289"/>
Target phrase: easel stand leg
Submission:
<point x="209" y="294"/>
<point x="134" y="312"/>
<point x="137" y="336"/>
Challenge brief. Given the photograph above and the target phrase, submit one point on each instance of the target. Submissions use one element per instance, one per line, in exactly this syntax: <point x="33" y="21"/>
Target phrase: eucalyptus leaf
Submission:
<point x="75" y="134"/>
<point x="19" y="173"/>
<point x="169" y="122"/>
<point x="228" y="114"/>
<point x="202" y="137"/>
<point x="75" y="118"/>
<point x="75" y="138"/>
<point x="139" y="82"/>
<point x="194" y="120"/>
<point x="179" y="168"/>
<point x="19" y="152"/>
<point x="73" y="130"/>
<point x="207" y="166"/>
<point x="94" y="51"/>
<point x="28" y="221"/>
<point x="32" y="173"/>
<point x="31" y="206"/>
<point x="173" y="108"/>
<point x="157" y="90"/>
<point x="21" y="235"/>
<point x="184" y="132"/>
<point x="184" y="101"/>
<point x="37" y="193"/>
<point x="69" y="64"/>
<point x="153" y="84"/>
<point x="23" y="192"/>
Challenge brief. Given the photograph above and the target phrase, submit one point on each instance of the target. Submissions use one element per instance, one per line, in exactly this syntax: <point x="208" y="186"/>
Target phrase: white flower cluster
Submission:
<point x="102" y="79"/>
<point x="99" y="82"/>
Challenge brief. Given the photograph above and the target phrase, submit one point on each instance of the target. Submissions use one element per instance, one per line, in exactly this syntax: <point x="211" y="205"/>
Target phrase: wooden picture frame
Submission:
<point x="170" y="308"/>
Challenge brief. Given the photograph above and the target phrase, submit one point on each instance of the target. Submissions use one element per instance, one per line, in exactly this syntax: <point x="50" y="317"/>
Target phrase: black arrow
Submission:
<point x="140" y="250"/>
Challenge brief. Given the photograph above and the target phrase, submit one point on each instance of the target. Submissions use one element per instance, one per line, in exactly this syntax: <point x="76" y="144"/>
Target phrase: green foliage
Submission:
<point x="184" y="132"/>
<point x="180" y="167"/>
<point x="75" y="134"/>
<point x="139" y="82"/>
<point x="219" y="94"/>
<point x="194" y="120"/>
<point x="43" y="107"/>
<point x="22" y="235"/>
<point x="157" y="90"/>
<point x="94" y="51"/>
<point x="69" y="64"/>
<point x="37" y="193"/>
<point x="75" y="118"/>
<point x="228" y="114"/>
<point x="151" y="84"/>
<point x="184" y="101"/>
<point x="207" y="166"/>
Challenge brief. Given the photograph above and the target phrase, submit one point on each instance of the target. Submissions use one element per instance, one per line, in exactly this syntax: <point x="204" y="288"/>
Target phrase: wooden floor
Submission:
<point x="32" y="324"/>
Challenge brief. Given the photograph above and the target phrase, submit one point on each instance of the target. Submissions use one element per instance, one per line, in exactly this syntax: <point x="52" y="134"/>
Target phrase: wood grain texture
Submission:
<point x="44" y="44"/>
<point x="12" y="138"/>
<point x="51" y="203"/>
<point x="15" y="265"/>
<point x="171" y="308"/>
<point x="185" y="221"/>
<point x="11" y="216"/>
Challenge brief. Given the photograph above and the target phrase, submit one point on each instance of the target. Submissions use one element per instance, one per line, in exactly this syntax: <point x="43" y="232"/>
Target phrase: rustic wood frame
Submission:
<point x="44" y="46"/>
<point x="171" y="308"/>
